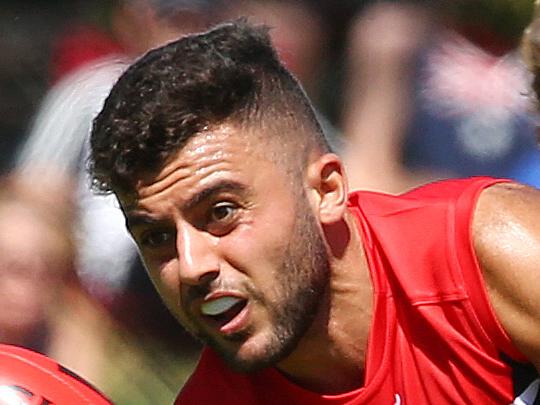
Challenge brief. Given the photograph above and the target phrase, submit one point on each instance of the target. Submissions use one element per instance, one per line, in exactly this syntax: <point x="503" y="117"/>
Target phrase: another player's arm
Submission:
<point x="506" y="233"/>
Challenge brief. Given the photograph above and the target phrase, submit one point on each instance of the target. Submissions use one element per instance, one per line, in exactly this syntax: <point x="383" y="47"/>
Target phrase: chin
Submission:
<point x="256" y="353"/>
<point x="248" y="364"/>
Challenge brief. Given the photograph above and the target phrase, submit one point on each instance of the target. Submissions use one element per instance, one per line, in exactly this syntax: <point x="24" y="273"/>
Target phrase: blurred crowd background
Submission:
<point x="407" y="91"/>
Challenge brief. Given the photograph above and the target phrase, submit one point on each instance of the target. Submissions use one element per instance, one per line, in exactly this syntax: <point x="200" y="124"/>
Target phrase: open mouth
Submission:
<point x="221" y="311"/>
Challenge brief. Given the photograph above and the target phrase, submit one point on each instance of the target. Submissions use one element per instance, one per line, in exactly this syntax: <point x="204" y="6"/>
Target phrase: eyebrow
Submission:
<point x="218" y="187"/>
<point x="135" y="219"/>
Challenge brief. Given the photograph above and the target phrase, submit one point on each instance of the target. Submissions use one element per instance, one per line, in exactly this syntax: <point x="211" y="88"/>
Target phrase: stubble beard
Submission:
<point x="301" y="284"/>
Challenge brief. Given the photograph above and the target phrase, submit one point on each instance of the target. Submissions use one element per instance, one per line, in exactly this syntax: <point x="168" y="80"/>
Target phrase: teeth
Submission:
<point x="219" y="305"/>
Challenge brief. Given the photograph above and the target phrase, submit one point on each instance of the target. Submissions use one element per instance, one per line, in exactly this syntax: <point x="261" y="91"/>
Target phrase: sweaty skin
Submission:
<point x="506" y="230"/>
<point x="221" y="219"/>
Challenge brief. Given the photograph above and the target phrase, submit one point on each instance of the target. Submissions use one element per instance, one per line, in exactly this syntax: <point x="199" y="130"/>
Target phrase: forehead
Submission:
<point x="225" y="153"/>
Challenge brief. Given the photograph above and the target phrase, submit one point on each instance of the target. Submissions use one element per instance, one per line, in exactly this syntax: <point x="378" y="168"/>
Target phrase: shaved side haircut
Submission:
<point x="229" y="75"/>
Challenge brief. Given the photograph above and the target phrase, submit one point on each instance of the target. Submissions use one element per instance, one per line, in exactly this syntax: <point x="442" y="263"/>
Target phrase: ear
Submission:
<point x="327" y="183"/>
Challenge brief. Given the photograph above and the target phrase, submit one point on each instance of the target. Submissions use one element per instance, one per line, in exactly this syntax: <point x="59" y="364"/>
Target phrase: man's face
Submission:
<point x="234" y="250"/>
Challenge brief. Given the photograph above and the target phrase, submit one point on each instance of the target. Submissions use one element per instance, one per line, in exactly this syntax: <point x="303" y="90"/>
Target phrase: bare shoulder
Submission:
<point x="506" y="235"/>
<point x="506" y="220"/>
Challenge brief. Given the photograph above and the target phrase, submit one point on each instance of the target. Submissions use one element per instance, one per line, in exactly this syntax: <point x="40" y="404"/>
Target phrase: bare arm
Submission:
<point x="506" y="232"/>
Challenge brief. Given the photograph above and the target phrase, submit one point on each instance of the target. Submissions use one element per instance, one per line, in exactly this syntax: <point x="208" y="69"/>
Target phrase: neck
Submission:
<point x="337" y="340"/>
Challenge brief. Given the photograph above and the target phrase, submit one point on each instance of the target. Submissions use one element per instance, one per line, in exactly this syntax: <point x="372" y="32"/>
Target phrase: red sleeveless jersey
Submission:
<point x="434" y="339"/>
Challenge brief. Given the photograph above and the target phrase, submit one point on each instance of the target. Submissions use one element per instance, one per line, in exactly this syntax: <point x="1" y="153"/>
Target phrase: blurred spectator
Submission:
<point x="139" y="25"/>
<point x="78" y="45"/>
<point x="379" y="94"/>
<point x="530" y="49"/>
<point x="437" y="96"/>
<point x="36" y="257"/>
<point x="301" y="35"/>
<point x="147" y="354"/>
<point x="60" y="131"/>
<point x="26" y="30"/>
<point x="58" y="138"/>
<point x="43" y="306"/>
<point x="45" y="309"/>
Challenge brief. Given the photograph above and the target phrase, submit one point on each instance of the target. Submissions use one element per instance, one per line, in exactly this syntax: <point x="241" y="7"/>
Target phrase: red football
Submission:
<point x="29" y="378"/>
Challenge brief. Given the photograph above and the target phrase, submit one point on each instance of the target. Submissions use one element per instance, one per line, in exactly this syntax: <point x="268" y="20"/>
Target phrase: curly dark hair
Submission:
<point x="531" y="49"/>
<point x="230" y="74"/>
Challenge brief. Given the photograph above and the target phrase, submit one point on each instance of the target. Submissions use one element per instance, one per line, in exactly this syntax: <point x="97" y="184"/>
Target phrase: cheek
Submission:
<point x="166" y="281"/>
<point x="258" y="249"/>
<point x="164" y="276"/>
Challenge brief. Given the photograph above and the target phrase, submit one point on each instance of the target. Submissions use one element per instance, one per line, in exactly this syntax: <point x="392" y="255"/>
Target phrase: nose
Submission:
<point x="197" y="259"/>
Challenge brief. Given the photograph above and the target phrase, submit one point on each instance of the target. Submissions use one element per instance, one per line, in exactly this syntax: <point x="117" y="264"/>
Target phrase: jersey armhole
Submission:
<point x="471" y="272"/>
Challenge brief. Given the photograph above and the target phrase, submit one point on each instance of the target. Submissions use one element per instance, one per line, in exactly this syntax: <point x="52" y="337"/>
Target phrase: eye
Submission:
<point x="222" y="212"/>
<point x="157" y="238"/>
